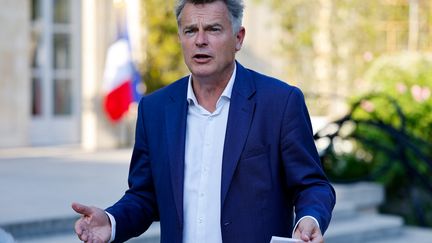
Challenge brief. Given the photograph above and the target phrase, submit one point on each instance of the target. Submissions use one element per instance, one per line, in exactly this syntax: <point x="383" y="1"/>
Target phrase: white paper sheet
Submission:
<point x="276" y="239"/>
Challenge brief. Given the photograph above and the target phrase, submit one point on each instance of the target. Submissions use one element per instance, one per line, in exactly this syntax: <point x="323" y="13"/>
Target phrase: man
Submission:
<point x="222" y="155"/>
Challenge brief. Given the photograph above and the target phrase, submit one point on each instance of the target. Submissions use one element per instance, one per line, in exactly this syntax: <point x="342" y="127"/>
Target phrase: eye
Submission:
<point x="215" y="29"/>
<point x="188" y="31"/>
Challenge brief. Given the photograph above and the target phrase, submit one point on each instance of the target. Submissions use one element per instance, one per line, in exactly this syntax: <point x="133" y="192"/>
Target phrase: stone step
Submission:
<point x="344" y="211"/>
<point x="152" y="235"/>
<point x="72" y="238"/>
<point x="42" y="227"/>
<point x="61" y="230"/>
<point x="409" y="234"/>
<point x="362" y="196"/>
<point x="353" y="199"/>
<point x="364" y="227"/>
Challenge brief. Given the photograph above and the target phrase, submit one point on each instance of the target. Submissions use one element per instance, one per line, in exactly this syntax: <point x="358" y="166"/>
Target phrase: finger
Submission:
<point x="317" y="237"/>
<point x="306" y="233"/>
<point x="82" y="209"/>
<point x="84" y="236"/>
<point x="305" y="236"/>
<point x="302" y="232"/>
<point x="78" y="227"/>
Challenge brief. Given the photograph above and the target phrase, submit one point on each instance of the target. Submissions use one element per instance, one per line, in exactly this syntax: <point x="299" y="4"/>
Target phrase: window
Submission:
<point x="55" y="71"/>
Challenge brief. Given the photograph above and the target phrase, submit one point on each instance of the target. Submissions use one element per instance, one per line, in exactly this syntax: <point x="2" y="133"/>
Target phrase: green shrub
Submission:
<point x="387" y="136"/>
<point x="406" y="77"/>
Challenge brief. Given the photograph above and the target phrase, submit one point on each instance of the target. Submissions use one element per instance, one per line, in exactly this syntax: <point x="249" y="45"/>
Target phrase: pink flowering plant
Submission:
<point x="387" y="135"/>
<point x="404" y="82"/>
<point x="407" y="78"/>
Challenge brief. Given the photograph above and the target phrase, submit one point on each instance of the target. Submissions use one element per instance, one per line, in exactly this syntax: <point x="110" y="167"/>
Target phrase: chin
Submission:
<point x="201" y="71"/>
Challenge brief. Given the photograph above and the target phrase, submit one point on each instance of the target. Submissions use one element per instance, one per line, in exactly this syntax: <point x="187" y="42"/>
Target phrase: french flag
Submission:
<point x="121" y="79"/>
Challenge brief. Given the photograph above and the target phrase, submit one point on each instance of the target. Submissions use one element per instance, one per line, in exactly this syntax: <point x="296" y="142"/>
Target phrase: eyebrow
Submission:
<point x="195" y="26"/>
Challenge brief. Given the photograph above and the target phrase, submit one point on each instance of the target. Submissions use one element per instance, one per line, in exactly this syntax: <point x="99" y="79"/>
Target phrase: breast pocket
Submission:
<point x="254" y="151"/>
<point x="254" y="166"/>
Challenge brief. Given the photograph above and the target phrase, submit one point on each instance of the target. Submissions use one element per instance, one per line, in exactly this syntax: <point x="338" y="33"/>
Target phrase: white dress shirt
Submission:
<point x="205" y="137"/>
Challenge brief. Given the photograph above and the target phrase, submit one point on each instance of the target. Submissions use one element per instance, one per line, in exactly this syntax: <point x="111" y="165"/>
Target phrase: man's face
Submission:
<point x="207" y="39"/>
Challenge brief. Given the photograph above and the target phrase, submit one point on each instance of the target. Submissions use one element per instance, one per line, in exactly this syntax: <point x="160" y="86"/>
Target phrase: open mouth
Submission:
<point x="201" y="57"/>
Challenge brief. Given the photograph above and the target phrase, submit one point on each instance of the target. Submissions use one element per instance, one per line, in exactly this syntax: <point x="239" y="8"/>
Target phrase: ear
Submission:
<point x="240" y="37"/>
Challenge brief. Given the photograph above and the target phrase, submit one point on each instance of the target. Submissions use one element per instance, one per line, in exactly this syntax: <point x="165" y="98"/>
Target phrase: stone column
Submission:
<point x="96" y="16"/>
<point x="323" y="49"/>
<point x="261" y="47"/>
<point x="15" y="73"/>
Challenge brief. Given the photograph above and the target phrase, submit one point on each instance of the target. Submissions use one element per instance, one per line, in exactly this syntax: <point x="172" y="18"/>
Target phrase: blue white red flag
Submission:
<point x="121" y="79"/>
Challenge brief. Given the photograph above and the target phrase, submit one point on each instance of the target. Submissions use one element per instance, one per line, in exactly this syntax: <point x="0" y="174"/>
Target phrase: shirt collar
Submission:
<point x="191" y="98"/>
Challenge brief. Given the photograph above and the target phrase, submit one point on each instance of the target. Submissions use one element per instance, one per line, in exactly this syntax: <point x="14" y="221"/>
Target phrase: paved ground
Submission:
<point x="38" y="185"/>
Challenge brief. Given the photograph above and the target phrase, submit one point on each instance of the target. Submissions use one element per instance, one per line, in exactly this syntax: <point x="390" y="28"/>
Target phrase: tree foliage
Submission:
<point x="353" y="35"/>
<point x="164" y="59"/>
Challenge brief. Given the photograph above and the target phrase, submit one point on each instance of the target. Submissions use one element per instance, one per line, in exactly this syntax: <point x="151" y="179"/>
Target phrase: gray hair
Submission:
<point x="235" y="8"/>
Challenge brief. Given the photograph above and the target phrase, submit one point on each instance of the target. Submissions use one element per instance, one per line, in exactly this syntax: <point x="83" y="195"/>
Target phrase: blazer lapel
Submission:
<point x="241" y="112"/>
<point x="175" y="120"/>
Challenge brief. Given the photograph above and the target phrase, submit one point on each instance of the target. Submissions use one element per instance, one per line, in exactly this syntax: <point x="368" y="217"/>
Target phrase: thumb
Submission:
<point x="82" y="209"/>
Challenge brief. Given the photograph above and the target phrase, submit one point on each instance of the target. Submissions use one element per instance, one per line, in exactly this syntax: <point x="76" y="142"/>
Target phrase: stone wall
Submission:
<point x="14" y="73"/>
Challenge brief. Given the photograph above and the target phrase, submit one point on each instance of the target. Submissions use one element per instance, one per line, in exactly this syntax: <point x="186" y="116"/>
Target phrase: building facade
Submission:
<point x="15" y="74"/>
<point x="52" y="56"/>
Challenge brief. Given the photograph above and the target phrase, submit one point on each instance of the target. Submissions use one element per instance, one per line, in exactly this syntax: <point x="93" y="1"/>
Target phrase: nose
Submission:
<point x="201" y="39"/>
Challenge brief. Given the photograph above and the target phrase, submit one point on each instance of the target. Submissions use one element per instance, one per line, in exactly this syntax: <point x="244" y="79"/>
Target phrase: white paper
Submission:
<point x="276" y="239"/>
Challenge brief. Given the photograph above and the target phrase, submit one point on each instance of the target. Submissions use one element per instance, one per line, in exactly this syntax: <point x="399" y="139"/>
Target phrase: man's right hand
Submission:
<point x="94" y="225"/>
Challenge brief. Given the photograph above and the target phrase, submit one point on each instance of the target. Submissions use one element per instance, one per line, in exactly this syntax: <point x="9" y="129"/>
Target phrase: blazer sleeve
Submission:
<point x="137" y="209"/>
<point x="312" y="193"/>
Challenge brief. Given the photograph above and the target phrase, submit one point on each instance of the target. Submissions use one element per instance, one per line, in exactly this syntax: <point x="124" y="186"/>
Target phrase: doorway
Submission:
<point x="55" y="79"/>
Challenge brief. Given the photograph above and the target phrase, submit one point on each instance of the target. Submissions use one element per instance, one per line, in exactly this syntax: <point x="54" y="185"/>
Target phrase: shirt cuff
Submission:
<point x="113" y="226"/>
<point x="295" y="227"/>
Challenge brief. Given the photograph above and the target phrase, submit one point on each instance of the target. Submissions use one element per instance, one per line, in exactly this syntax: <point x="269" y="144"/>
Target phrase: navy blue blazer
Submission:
<point x="270" y="164"/>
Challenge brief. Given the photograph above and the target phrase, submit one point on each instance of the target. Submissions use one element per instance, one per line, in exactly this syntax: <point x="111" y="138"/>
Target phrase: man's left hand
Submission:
<point x="308" y="231"/>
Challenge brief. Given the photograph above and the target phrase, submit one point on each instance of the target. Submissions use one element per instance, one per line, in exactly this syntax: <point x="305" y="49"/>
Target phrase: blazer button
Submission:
<point x="227" y="223"/>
